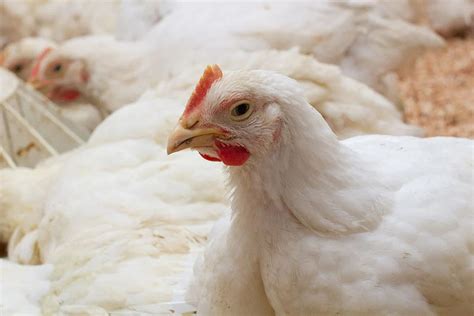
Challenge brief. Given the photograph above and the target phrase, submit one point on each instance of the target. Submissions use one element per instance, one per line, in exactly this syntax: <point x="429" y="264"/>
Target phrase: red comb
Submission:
<point x="210" y="75"/>
<point x="39" y="59"/>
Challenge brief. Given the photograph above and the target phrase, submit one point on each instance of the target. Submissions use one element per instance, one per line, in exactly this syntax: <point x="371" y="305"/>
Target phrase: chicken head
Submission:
<point x="60" y="78"/>
<point x="232" y="118"/>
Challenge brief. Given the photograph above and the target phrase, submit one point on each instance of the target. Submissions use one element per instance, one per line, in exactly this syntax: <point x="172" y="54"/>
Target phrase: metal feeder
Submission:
<point x="31" y="126"/>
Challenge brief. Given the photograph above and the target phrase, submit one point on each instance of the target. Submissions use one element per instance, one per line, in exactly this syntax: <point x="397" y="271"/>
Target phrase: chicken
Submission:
<point x="371" y="225"/>
<point x="19" y="57"/>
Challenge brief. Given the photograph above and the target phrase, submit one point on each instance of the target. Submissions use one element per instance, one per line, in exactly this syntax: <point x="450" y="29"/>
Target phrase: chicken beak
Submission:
<point x="191" y="137"/>
<point x="44" y="87"/>
<point x="35" y="83"/>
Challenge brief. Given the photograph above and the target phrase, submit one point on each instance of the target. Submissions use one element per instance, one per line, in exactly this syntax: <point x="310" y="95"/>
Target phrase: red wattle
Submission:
<point x="69" y="95"/>
<point x="64" y="95"/>
<point x="232" y="155"/>
<point x="210" y="158"/>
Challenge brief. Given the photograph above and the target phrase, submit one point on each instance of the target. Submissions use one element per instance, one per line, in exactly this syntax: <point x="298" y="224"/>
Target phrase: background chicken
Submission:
<point x="311" y="213"/>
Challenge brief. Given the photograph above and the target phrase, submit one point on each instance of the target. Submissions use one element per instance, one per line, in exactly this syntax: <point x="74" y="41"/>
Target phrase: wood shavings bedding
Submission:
<point x="438" y="92"/>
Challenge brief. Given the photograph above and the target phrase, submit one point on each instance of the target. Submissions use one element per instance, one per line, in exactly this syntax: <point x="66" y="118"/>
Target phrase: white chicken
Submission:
<point x="368" y="226"/>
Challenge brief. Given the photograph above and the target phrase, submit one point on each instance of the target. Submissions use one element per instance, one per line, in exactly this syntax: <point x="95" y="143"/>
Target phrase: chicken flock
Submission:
<point x="328" y="202"/>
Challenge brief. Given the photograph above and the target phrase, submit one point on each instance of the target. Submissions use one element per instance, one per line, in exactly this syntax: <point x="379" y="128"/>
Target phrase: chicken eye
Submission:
<point x="17" y="68"/>
<point x="241" y="111"/>
<point x="57" y="68"/>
